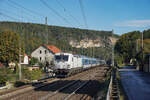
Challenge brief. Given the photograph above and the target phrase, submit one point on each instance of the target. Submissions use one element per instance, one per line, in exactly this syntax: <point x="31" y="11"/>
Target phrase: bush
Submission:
<point x="4" y="75"/>
<point x="32" y="75"/>
<point x="36" y="74"/>
<point x="33" y="61"/>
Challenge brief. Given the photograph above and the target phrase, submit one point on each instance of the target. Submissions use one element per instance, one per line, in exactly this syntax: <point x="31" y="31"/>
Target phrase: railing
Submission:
<point x="109" y="89"/>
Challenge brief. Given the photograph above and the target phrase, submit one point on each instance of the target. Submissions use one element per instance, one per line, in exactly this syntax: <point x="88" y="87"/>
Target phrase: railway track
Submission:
<point x="62" y="89"/>
<point x="21" y="90"/>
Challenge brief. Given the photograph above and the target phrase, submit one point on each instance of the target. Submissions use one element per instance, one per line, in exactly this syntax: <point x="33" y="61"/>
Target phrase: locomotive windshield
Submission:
<point x="61" y="57"/>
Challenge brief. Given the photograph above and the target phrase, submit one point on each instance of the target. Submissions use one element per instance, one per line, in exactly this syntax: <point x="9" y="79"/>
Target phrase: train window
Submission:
<point x="65" y="58"/>
<point x="57" y="57"/>
<point x="61" y="57"/>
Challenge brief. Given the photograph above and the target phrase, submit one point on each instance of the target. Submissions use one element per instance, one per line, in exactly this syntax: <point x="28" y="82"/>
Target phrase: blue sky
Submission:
<point x="120" y="15"/>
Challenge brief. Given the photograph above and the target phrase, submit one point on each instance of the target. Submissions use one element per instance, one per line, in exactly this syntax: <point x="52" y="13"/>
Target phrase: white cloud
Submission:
<point x="134" y="23"/>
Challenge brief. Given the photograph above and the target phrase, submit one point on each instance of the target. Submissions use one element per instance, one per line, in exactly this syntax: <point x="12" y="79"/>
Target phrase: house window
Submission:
<point x="40" y="51"/>
<point x="40" y="58"/>
<point x="45" y="51"/>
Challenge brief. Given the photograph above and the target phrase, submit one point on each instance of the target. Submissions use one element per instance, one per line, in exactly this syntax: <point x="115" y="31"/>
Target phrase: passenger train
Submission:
<point x="66" y="64"/>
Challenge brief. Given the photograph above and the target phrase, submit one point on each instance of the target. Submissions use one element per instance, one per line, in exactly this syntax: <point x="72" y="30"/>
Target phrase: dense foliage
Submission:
<point x="129" y="46"/>
<point x="4" y="75"/>
<point x="9" y="46"/>
<point x="33" y="61"/>
<point x="10" y="75"/>
<point x="126" y="45"/>
<point x="34" y="35"/>
<point x="32" y="75"/>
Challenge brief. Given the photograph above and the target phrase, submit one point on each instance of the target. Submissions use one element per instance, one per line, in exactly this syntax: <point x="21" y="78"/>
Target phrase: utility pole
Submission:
<point x="20" y="74"/>
<point x="112" y="51"/>
<point x="46" y="60"/>
<point x="46" y="23"/>
<point x="137" y="48"/>
<point x="142" y="53"/>
<point x="20" y="41"/>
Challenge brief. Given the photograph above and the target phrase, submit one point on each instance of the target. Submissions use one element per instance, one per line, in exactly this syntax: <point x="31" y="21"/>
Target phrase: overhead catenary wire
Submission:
<point x="5" y="15"/>
<point x="84" y="17"/>
<point x="83" y="13"/>
<point x="10" y="12"/>
<point x="16" y="7"/>
<point x="65" y="10"/>
<point x="31" y="11"/>
<point x="54" y="11"/>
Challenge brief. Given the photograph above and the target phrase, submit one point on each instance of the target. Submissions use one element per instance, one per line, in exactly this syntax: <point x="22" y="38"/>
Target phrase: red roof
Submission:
<point x="53" y="48"/>
<point x="25" y="54"/>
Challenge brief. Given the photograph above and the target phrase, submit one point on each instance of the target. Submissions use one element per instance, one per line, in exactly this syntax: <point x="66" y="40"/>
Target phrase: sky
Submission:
<point x="122" y="16"/>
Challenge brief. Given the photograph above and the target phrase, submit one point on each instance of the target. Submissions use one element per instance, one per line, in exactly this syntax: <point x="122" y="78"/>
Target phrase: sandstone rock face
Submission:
<point x="88" y="43"/>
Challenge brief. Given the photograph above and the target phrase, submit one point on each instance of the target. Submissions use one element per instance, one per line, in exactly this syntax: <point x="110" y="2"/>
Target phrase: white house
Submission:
<point x="45" y="53"/>
<point x="25" y="60"/>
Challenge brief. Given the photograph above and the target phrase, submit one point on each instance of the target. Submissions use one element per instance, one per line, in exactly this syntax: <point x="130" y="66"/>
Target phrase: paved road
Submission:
<point x="135" y="83"/>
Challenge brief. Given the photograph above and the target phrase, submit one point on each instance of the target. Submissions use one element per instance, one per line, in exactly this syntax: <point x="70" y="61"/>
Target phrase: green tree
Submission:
<point x="35" y="35"/>
<point x="36" y="74"/>
<point x="32" y="75"/>
<point x="4" y="75"/>
<point x="9" y="46"/>
<point x="126" y="46"/>
<point x="33" y="61"/>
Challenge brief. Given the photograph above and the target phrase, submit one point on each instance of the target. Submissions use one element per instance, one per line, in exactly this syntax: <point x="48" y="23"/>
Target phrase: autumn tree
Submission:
<point x="9" y="47"/>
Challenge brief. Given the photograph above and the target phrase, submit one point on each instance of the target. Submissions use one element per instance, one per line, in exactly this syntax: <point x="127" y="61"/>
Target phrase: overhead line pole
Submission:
<point x="83" y="14"/>
<point x="142" y="52"/>
<point x="112" y="51"/>
<point x="20" y="56"/>
<point x="46" y="23"/>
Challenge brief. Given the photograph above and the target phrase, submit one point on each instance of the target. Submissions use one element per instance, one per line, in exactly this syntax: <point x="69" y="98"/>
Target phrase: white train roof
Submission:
<point x="82" y="56"/>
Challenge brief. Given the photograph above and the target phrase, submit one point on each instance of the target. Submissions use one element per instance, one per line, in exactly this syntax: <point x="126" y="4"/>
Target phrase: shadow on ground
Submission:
<point x="90" y="89"/>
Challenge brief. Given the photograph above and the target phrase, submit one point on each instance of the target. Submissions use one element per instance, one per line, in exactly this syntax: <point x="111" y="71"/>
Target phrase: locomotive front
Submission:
<point x="61" y="63"/>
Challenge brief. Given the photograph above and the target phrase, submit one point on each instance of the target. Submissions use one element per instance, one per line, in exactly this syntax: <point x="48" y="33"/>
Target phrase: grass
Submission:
<point x="122" y="65"/>
<point x="123" y="95"/>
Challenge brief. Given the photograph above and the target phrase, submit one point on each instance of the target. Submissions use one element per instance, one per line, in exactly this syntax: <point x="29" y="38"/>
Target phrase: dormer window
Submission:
<point x="40" y="51"/>
<point x="45" y="51"/>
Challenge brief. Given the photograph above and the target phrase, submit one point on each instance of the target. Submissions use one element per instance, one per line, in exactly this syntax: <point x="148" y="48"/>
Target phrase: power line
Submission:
<point x="16" y="7"/>
<point x="83" y="13"/>
<point x="31" y="11"/>
<point x="13" y="18"/>
<point x="65" y="10"/>
<point x="54" y="11"/>
<point x="6" y="11"/>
